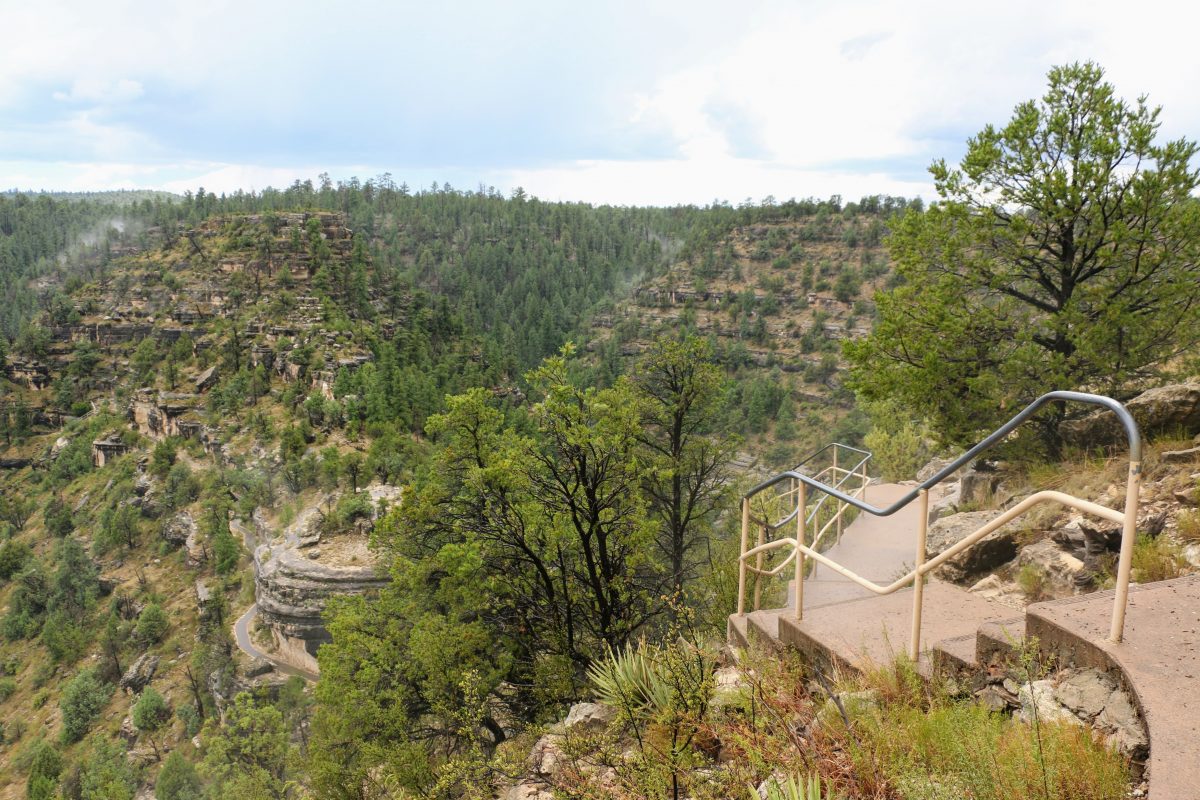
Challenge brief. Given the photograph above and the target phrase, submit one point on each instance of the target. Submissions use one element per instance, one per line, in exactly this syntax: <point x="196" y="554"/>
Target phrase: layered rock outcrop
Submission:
<point x="1174" y="408"/>
<point x="293" y="589"/>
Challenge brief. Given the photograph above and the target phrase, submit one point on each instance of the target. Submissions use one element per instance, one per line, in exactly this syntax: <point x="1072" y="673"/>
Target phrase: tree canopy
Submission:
<point x="1062" y="255"/>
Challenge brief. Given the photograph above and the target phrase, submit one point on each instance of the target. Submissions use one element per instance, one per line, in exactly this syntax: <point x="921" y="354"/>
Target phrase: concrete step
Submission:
<point x="997" y="642"/>
<point x="1158" y="661"/>
<point x="874" y="630"/>
<point x="954" y="657"/>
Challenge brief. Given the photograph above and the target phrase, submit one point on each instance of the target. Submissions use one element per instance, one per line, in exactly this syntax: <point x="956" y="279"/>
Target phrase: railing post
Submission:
<point x="1128" y="534"/>
<point x="801" y="527"/>
<point x="758" y="565"/>
<point x="865" y="481"/>
<point x="742" y="556"/>
<point x="914" y="648"/>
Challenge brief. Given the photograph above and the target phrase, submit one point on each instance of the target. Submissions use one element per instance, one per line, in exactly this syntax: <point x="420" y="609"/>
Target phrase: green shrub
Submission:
<point x="1032" y="580"/>
<point x="13" y="555"/>
<point x="1157" y="558"/>
<point x="8" y="687"/>
<point x="64" y="637"/>
<point x="58" y="519"/>
<point x="152" y="623"/>
<point x="178" y="780"/>
<point x="82" y="699"/>
<point x="44" y="768"/>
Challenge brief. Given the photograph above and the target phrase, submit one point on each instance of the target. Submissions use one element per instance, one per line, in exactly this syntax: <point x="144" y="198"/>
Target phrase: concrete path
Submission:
<point x="877" y="548"/>
<point x="849" y="625"/>
<point x="1158" y="661"/>
<point x="241" y="634"/>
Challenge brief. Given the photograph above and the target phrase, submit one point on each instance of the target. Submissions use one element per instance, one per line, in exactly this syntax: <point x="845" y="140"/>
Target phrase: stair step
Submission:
<point x="997" y="642"/>
<point x="954" y="657"/>
<point x="1158" y="661"/>
<point x="875" y="630"/>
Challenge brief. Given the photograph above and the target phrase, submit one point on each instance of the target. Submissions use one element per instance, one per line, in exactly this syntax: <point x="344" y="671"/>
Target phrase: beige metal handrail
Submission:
<point x="800" y="549"/>
<point x="836" y="475"/>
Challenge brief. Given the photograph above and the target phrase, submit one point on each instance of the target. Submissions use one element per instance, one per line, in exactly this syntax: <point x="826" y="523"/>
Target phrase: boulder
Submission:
<point x="1189" y="496"/>
<point x="1039" y="697"/>
<point x="140" y="673"/>
<point x="590" y="716"/>
<point x="934" y="466"/>
<point x="547" y="757"/>
<point x="1180" y="456"/>
<point x="945" y="504"/>
<point x="206" y="379"/>
<point x="998" y="547"/>
<point x="530" y="790"/>
<point x="1005" y="592"/>
<point x="1167" y="408"/>
<point x="1060" y="569"/>
<point x="978" y="484"/>
<point x="259" y="666"/>
<point x="178" y="529"/>
<point x="1094" y="697"/>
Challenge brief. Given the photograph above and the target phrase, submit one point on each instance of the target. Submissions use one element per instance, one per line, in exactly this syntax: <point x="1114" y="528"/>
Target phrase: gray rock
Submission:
<point x="529" y="790"/>
<point x="178" y="528"/>
<point x="207" y="379"/>
<point x="1166" y="408"/>
<point x="1180" y="456"/>
<point x="140" y="673"/>
<point x="590" y="716"/>
<point x="1038" y="697"/>
<point x="547" y="757"/>
<point x="1085" y="693"/>
<point x="934" y="466"/>
<point x="978" y="484"/>
<point x="259" y="666"/>
<point x="946" y="504"/>
<point x="292" y="590"/>
<point x="1120" y="721"/>
<point x="1059" y="567"/>
<point x="998" y="547"/>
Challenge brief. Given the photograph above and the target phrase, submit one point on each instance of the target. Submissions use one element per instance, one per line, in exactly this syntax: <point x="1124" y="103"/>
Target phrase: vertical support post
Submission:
<point x="758" y="565"/>
<point x="801" y="528"/>
<point x="865" y="481"/>
<point x="741" y="610"/>
<point x="1128" y="534"/>
<point x="914" y="648"/>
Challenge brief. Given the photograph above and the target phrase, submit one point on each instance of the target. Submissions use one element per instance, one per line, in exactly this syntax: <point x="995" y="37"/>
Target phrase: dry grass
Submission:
<point x="889" y="735"/>
<point x="1157" y="559"/>
<point x="1188" y="526"/>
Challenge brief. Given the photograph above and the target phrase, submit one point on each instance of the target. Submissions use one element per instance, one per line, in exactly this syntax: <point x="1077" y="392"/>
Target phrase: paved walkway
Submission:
<point x="1159" y="661"/>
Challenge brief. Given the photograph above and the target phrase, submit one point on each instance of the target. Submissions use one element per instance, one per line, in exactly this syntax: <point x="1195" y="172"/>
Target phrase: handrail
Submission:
<point x="1128" y="518"/>
<point x="1131" y="432"/>
<point x="848" y="473"/>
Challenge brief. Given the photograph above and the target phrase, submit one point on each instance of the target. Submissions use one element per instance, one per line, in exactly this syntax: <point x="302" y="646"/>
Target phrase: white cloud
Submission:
<point x="686" y="181"/>
<point x="101" y="91"/>
<point x="780" y="97"/>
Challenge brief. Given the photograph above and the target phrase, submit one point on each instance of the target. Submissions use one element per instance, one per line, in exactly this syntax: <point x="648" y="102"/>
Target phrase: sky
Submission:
<point x="627" y="103"/>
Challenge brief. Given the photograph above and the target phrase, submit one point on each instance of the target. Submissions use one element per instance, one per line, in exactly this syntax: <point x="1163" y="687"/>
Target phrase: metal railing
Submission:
<point x="820" y="518"/>
<point x="798" y="484"/>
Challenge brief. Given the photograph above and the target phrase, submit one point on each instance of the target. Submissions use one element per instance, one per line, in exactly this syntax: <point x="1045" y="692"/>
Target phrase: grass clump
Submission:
<point x="1157" y="558"/>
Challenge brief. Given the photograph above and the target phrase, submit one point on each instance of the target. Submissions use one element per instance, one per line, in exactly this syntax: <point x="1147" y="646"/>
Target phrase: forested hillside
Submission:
<point x="189" y="379"/>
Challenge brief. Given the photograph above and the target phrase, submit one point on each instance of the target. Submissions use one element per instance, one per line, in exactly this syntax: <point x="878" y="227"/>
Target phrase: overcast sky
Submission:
<point x="607" y="102"/>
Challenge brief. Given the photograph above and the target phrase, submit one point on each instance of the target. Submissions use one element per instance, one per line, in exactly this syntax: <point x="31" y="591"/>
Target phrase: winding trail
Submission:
<point x="241" y="628"/>
<point x="241" y="634"/>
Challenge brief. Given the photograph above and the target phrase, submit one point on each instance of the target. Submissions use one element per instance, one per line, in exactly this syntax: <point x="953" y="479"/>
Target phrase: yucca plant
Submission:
<point x="792" y="788"/>
<point x="633" y="680"/>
